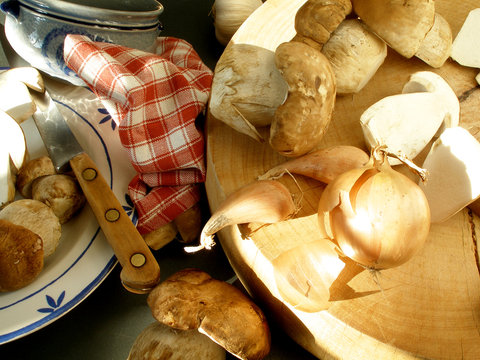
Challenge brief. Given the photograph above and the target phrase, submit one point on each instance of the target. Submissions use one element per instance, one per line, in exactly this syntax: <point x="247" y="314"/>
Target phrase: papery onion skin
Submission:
<point x="377" y="216"/>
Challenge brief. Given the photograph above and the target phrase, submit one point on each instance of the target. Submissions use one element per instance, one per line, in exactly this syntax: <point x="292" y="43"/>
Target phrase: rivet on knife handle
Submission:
<point x="140" y="270"/>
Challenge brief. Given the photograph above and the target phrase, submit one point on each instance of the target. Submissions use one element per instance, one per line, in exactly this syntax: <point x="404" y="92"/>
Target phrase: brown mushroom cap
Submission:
<point x="317" y="19"/>
<point x="301" y="121"/>
<point x="37" y="217"/>
<point x="21" y="256"/>
<point x="61" y="193"/>
<point x="191" y="299"/>
<point x="32" y="170"/>
<point x="158" y="341"/>
<point x="401" y="24"/>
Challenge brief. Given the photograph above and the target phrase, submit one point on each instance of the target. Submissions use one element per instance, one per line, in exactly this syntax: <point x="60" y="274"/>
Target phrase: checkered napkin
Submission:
<point x="155" y="99"/>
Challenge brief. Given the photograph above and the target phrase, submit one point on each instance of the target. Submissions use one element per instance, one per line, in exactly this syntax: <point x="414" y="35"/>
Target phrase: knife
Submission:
<point x="140" y="270"/>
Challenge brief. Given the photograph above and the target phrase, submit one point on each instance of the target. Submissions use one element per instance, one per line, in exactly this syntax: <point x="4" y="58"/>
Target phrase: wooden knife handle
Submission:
<point x="140" y="270"/>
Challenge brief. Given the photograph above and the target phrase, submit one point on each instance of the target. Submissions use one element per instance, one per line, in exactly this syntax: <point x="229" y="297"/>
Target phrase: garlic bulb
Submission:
<point x="377" y="216"/>
<point x="228" y="15"/>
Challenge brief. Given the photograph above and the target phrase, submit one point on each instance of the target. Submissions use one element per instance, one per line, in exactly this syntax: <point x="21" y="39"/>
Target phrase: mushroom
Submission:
<point x="315" y="20"/>
<point x="406" y="122"/>
<point x="15" y="98"/>
<point x="13" y="154"/>
<point x="37" y="217"/>
<point x="401" y="24"/>
<point x="191" y="299"/>
<point x="61" y="193"/>
<point x="161" y="236"/>
<point x="21" y="256"/>
<point x="246" y="89"/>
<point x="355" y="54"/>
<point x="300" y="123"/>
<point x="454" y="173"/>
<point x="32" y="170"/>
<point x="158" y="341"/>
<point x="436" y="48"/>
<point x="189" y="224"/>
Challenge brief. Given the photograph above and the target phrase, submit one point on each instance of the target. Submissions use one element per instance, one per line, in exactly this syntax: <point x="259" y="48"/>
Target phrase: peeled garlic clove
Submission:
<point x="247" y="89"/>
<point x="377" y="216"/>
<point x="405" y="123"/>
<point x="427" y="81"/>
<point x="466" y="46"/>
<point x="229" y="15"/>
<point x="454" y="173"/>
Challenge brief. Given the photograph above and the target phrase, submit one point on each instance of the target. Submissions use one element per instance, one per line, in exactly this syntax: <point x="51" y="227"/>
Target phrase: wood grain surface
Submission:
<point x="426" y="308"/>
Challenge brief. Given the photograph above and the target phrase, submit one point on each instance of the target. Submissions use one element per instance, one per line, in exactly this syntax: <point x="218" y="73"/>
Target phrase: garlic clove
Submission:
<point x="405" y="123"/>
<point x="466" y="46"/>
<point x="454" y="173"/>
<point x="427" y="81"/>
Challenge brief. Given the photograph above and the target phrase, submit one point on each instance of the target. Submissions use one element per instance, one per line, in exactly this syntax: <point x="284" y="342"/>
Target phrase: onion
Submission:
<point x="377" y="216"/>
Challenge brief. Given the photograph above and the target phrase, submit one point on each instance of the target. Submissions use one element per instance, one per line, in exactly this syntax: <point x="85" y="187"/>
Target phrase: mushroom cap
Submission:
<point x="401" y="24"/>
<point x="21" y="256"/>
<point x="32" y="170"/>
<point x="192" y="299"/>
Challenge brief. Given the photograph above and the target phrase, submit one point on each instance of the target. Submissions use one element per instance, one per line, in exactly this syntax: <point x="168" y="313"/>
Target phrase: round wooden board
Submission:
<point x="426" y="308"/>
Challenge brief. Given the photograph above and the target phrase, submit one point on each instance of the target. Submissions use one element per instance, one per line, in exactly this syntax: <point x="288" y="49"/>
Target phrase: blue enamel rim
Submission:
<point x="58" y="312"/>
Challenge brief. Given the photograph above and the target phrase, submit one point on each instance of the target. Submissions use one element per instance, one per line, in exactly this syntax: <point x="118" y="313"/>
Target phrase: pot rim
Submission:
<point x="149" y="16"/>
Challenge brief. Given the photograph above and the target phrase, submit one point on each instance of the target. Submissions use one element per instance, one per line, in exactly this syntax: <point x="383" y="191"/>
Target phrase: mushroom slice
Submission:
<point x="158" y="341"/>
<point x="427" y="81"/>
<point x="466" y="46"/>
<point x="191" y="299"/>
<point x="454" y="173"/>
<point x="401" y="24"/>
<point x="355" y="54"/>
<point x="405" y="123"/>
<point x="246" y="89"/>
<point x="436" y="48"/>
<point x="15" y="98"/>
<point x="13" y="154"/>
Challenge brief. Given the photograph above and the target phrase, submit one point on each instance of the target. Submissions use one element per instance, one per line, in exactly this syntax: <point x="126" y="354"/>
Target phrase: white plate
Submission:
<point x="83" y="258"/>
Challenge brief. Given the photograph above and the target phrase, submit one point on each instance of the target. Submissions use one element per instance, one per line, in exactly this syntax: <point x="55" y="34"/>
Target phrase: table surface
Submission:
<point x="105" y="325"/>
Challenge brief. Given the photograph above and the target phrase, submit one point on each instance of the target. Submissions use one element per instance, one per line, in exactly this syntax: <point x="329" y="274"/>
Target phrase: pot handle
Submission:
<point x="11" y="8"/>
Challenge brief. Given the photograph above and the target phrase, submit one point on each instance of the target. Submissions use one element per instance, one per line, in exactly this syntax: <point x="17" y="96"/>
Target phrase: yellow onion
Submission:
<point x="377" y="216"/>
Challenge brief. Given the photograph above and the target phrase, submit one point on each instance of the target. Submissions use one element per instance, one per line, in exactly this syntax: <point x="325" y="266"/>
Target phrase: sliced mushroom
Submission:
<point x="158" y="341"/>
<point x="454" y="173"/>
<point x="355" y="54"/>
<point x="436" y="48"/>
<point x="300" y="123"/>
<point x="32" y="170"/>
<point x="37" y="217"/>
<point x="61" y="193"/>
<point x="401" y="24"/>
<point x="466" y="46"/>
<point x="191" y="299"/>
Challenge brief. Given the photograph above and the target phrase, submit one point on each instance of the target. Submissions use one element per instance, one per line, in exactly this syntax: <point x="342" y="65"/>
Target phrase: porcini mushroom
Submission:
<point x="454" y="173"/>
<point x="401" y="24"/>
<point x="436" y="48"/>
<point x="355" y="54"/>
<point x="191" y="299"/>
<point x="300" y="123"/>
<point x="246" y="89"/>
<point x="466" y="46"/>
<point x="32" y="170"/>
<point x="159" y="341"/>
<point x="315" y="20"/>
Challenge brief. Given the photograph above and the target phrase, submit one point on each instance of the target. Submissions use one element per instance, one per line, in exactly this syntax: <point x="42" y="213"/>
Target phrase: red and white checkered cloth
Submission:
<point x="155" y="99"/>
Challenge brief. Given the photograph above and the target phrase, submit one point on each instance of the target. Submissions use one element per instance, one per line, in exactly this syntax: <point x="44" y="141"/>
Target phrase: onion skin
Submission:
<point x="377" y="216"/>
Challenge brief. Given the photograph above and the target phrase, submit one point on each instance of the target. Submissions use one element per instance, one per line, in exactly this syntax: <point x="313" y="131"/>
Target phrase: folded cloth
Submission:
<point x="155" y="99"/>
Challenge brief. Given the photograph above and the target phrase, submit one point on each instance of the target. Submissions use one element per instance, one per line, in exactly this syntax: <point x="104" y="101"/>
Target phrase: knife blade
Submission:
<point x="140" y="270"/>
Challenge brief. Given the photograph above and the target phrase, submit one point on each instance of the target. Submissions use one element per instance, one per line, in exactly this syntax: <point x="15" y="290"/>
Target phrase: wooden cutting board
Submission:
<point x="426" y="308"/>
